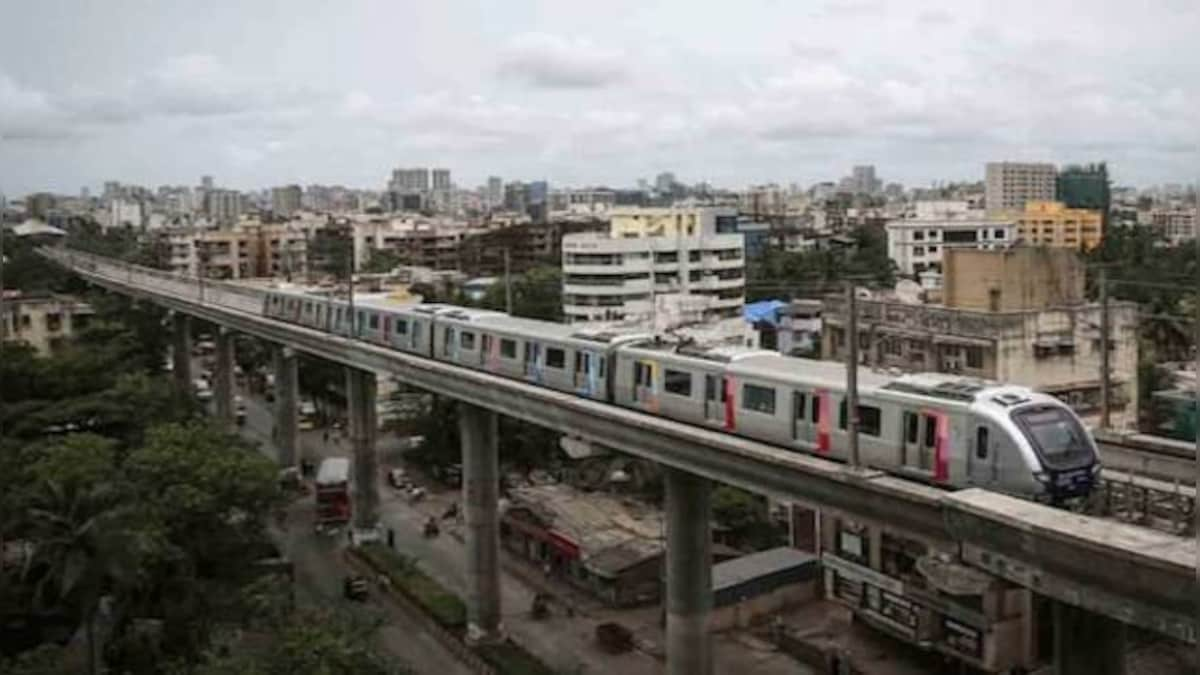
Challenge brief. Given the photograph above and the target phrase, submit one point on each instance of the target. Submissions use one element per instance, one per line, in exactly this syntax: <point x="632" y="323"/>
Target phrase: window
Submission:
<point x="918" y="236"/>
<point x="556" y="358"/>
<point x="918" y="250"/>
<point x="800" y="405"/>
<point x="677" y="382"/>
<point x="466" y="340"/>
<point x="870" y="420"/>
<point x="508" y="348"/>
<point x="981" y="443"/>
<point x="911" y="421"/>
<point x="641" y="374"/>
<point x="758" y="399"/>
<point x="485" y="343"/>
<point x="374" y="324"/>
<point x="930" y="431"/>
<point x="401" y="327"/>
<point x="53" y="322"/>
<point x="693" y="256"/>
<point x="932" y="250"/>
<point x="816" y="410"/>
<point x="974" y="357"/>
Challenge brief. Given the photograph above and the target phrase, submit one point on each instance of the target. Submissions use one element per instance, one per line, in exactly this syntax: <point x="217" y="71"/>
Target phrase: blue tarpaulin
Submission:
<point x="764" y="311"/>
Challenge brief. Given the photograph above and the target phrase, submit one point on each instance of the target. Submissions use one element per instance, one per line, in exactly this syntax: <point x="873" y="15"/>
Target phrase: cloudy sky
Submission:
<point x="260" y="93"/>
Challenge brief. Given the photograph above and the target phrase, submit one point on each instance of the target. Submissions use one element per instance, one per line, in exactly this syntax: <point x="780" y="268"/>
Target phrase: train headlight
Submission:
<point x="1041" y="476"/>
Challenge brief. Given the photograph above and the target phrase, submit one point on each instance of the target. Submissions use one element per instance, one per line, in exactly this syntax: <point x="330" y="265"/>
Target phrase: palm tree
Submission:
<point x="86" y="548"/>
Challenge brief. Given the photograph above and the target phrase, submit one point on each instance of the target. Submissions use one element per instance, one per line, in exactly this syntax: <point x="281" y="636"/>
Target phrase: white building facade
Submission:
<point x="918" y="241"/>
<point x="649" y="253"/>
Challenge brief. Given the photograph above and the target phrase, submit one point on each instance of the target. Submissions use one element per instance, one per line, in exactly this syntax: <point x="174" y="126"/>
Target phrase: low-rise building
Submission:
<point x="918" y="242"/>
<point x="244" y="251"/>
<point x="1175" y="224"/>
<point x="42" y="320"/>
<point x="1048" y="223"/>
<point x="1016" y="316"/>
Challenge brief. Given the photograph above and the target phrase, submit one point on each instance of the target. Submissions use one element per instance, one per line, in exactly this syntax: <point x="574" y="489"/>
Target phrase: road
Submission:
<point x="566" y="643"/>
<point x="319" y="569"/>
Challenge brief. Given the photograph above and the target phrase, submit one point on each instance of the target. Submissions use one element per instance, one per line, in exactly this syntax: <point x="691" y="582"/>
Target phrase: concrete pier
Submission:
<point x="287" y="388"/>
<point x="223" y="384"/>
<point x="689" y="573"/>
<point x="1086" y="643"/>
<point x="181" y="353"/>
<point x="360" y="394"/>
<point x="481" y="492"/>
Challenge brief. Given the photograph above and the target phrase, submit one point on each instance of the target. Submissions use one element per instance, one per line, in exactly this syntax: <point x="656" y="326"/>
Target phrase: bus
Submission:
<point x="333" y="492"/>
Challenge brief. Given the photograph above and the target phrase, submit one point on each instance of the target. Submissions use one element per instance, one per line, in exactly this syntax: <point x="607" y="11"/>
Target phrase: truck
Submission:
<point x="333" y="492"/>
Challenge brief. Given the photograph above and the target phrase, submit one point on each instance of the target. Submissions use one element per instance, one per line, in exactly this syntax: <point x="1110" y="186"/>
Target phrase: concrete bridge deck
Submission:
<point x="1131" y="574"/>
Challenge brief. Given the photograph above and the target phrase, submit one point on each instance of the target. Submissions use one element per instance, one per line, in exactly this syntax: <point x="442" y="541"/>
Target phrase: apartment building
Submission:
<point x="649" y="252"/>
<point x="1176" y="224"/>
<point x="918" y="241"/>
<point x="1008" y="185"/>
<point x="42" y="320"/>
<point x="244" y="251"/>
<point x="1054" y="224"/>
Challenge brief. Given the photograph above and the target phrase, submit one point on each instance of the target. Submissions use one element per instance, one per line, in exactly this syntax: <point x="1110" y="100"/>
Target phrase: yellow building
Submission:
<point x="1045" y="223"/>
<point x="671" y="222"/>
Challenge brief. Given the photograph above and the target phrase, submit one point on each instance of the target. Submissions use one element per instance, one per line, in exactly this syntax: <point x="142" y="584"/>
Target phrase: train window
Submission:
<point x="911" y="422"/>
<point x="870" y="420"/>
<point x="337" y="316"/>
<point x="374" y="322"/>
<point x="600" y="372"/>
<point x="981" y="443"/>
<point x="508" y="348"/>
<point x="308" y="308"/>
<point x="758" y="399"/>
<point x="485" y="343"/>
<point x="387" y="324"/>
<point x="816" y="410"/>
<point x="401" y="327"/>
<point x="466" y="340"/>
<point x="930" y="431"/>
<point x="556" y="358"/>
<point x="641" y="374"/>
<point x="800" y="405"/>
<point x="361" y="321"/>
<point x="447" y="339"/>
<point x="842" y="415"/>
<point x="677" y="382"/>
<point x="581" y="364"/>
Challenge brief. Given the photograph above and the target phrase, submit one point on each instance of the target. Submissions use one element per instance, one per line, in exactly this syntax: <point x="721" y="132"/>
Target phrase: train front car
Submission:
<point x="1060" y="456"/>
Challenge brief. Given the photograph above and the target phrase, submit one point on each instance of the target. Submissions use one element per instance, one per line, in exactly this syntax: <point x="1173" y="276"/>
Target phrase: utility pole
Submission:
<point x="852" y="373"/>
<point x="1105" y="381"/>
<point x="507" y="284"/>
<point x="1196" y="410"/>
<point x="350" y="285"/>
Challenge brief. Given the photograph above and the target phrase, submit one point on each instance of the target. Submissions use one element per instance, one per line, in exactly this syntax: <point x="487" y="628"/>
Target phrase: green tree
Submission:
<point x="537" y="294"/>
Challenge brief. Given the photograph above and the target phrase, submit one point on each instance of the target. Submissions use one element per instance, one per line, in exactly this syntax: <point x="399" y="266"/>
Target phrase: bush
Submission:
<point x="445" y="607"/>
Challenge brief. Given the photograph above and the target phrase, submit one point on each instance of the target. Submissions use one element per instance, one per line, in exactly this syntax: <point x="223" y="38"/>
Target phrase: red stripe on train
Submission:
<point x="730" y="422"/>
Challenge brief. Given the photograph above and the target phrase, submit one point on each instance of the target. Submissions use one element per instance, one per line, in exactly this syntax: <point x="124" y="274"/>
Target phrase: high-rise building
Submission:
<point x="664" y="183"/>
<point x="206" y="182"/>
<point x="1086" y="187"/>
<point x="410" y="180"/>
<point x="864" y="181"/>
<point x="1009" y="185"/>
<point x="441" y="179"/>
<point x="286" y="200"/>
<point x="495" y="192"/>
<point x="223" y="207"/>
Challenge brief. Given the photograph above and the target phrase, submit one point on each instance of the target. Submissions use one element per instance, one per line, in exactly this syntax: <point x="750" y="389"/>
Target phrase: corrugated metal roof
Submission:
<point x="738" y="571"/>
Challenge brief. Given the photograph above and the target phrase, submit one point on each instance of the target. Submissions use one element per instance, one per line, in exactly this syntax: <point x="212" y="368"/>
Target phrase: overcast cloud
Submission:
<point x="259" y="94"/>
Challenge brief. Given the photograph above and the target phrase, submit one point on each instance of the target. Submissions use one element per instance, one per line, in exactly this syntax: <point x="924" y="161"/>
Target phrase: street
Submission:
<point x="566" y="643"/>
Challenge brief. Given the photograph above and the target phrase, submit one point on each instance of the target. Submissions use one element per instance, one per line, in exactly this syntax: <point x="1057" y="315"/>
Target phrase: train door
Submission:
<point x="982" y="457"/>
<point x="414" y="334"/>
<point x="643" y="383"/>
<point x="485" y="349"/>
<point x="920" y="440"/>
<point x="533" y="360"/>
<point x="588" y="372"/>
<point x="714" y="398"/>
<point x="803" y="429"/>
<point x="448" y="344"/>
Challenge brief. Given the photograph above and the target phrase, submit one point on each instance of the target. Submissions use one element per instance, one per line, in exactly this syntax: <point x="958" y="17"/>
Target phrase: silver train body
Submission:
<point x="940" y="429"/>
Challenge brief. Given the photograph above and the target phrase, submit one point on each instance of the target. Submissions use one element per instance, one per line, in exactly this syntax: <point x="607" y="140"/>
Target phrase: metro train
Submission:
<point x="945" y="430"/>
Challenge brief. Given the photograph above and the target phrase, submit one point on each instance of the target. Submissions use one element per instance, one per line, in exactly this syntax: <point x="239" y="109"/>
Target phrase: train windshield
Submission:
<point x="1055" y="433"/>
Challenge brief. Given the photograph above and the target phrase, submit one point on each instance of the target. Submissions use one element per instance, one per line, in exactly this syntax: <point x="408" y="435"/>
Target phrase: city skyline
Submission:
<point x="717" y="94"/>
